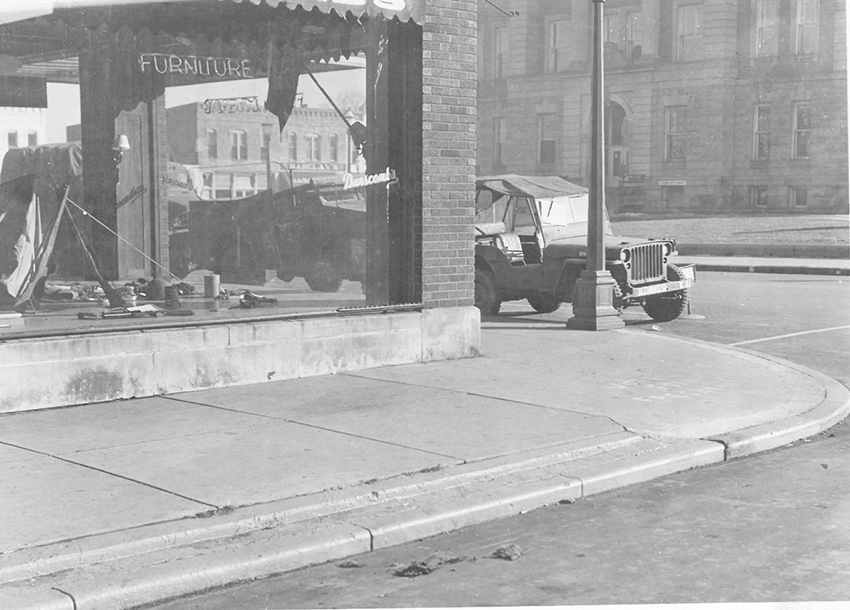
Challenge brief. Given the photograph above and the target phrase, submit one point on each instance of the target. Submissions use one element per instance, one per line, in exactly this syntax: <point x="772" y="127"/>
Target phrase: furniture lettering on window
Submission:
<point x="163" y="63"/>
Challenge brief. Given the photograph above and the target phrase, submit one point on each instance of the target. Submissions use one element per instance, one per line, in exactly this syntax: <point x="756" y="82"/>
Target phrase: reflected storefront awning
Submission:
<point x="403" y="9"/>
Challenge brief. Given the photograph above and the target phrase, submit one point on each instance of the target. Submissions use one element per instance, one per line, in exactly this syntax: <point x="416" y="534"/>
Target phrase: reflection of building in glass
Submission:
<point x="232" y="149"/>
<point x="711" y="105"/>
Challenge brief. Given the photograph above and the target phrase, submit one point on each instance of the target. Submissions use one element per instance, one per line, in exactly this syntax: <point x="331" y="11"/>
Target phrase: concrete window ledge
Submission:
<point x="59" y="371"/>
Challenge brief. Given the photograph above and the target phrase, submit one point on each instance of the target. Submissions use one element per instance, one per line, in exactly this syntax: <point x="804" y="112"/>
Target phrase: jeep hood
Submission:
<point x="576" y="247"/>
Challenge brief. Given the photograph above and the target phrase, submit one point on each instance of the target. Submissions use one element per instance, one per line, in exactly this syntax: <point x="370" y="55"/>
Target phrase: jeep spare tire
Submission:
<point x="322" y="277"/>
<point x="486" y="293"/>
<point x="667" y="305"/>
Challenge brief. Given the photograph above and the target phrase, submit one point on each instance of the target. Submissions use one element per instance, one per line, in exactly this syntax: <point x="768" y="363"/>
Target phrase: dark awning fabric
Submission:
<point x="537" y="187"/>
<point x="403" y="9"/>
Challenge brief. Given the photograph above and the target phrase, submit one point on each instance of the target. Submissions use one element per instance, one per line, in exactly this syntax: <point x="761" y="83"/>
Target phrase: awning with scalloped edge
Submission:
<point x="403" y="9"/>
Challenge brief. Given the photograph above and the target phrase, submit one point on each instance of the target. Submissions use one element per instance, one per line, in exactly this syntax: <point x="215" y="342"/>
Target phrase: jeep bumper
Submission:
<point x="688" y="272"/>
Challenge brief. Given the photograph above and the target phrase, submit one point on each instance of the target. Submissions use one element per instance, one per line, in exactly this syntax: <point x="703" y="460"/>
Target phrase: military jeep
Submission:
<point x="531" y="243"/>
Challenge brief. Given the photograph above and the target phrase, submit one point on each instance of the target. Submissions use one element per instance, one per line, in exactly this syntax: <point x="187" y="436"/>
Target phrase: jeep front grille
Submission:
<point x="646" y="264"/>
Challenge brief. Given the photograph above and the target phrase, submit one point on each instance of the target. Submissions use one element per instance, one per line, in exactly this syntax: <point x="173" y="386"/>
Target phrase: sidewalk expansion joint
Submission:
<point x="73" y="601"/>
<point x="488" y="396"/>
<point x="722" y="443"/>
<point x="315" y="427"/>
<point x="108" y="473"/>
<point x="371" y="535"/>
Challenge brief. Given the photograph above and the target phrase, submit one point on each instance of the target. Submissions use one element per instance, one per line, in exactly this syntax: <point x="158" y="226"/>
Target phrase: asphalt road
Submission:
<point x="767" y="528"/>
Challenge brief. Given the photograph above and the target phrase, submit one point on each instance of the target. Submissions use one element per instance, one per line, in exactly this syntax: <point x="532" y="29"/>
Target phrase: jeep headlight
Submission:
<point x="668" y="248"/>
<point x="625" y="255"/>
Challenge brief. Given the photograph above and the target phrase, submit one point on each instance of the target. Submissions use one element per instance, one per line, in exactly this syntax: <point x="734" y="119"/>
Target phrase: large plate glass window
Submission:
<point x="275" y="149"/>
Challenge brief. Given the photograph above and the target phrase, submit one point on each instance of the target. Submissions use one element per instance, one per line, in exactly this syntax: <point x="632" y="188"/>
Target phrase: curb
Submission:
<point x="838" y="251"/>
<point x="387" y="514"/>
<point x="789" y="269"/>
<point x="833" y="409"/>
<point x="168" y="560"/>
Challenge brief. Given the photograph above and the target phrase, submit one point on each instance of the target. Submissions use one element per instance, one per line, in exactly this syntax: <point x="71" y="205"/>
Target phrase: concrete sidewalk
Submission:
<point x="118" y="504"/>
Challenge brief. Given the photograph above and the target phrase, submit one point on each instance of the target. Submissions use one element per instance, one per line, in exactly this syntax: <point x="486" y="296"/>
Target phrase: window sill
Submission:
<point x="757" y="163"/>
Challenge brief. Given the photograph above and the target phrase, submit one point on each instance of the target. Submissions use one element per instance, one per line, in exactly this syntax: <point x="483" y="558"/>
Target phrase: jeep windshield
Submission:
<point x="564" y="217"/>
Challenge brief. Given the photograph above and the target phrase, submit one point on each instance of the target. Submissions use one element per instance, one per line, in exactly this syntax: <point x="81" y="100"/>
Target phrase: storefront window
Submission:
<point x="327" y="228"/>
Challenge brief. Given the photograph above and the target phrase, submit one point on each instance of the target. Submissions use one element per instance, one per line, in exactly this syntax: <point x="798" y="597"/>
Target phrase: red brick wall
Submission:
<point x="448" y="155"/>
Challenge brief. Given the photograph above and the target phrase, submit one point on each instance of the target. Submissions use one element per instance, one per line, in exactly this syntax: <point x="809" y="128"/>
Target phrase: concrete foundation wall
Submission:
<point x="60" y="371"/>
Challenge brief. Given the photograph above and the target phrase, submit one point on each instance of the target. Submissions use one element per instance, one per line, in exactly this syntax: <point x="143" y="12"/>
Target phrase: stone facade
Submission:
<point x="723" y="105"/>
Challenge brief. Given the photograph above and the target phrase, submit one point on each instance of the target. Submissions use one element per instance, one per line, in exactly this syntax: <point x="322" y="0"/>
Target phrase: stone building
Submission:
<point x="719" y="105"/>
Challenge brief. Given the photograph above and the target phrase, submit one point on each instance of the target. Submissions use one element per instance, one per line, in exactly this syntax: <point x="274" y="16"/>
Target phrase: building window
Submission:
<point x="266" y="143"/>
<point x="767" y="27"/>
<point x="801" y="135"/>
<point x="212" y="143"/>
<point x="546" y="137"/>
<point x="799" y="196"/>
<point x="314" y="152"/>
<point x="244" y="186"/>
<point x="500" y="52"/>
<point x="238" y="145"/>
<point x="558" y="44"/>
<point x="758" y="196"/>
<point x="207" y="192"/>
<point x="634" y="36"/>
<point x="761" y="132"/>
<point x="806" y="30"/>
<point x="293" y="147"/>
<point x="689" y="33"/>
<point x="499" y="136"/>
<point x="32" y="138"/>
<point x="222" y="185"/>
<point x="13" y="139"/>
<point x="611" y="29"/>
<point x="677" y="117"/>
<point x="334" y="147"/>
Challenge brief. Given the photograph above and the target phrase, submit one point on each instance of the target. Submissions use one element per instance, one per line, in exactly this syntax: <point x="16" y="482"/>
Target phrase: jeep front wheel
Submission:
<point x="667" y="305"/>
<point x="486" y="294"/>
<point x="544" y="303"/>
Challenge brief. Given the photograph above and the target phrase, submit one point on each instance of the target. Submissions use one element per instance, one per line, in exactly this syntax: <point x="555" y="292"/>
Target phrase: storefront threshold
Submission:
<point x="55" y="371"/>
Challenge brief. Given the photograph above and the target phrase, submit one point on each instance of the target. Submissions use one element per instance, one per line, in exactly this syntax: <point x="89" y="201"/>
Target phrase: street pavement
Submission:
<point x="118" y="504"/>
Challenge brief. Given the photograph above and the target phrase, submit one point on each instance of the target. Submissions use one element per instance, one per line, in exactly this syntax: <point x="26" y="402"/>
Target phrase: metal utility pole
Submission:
<point x="593" y="303"/>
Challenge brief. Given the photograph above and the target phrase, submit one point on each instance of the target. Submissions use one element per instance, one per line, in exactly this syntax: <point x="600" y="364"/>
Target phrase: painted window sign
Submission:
<point x="385" y="177"/>
<point x="232" y="105"/>
<point x="162" y="63"/>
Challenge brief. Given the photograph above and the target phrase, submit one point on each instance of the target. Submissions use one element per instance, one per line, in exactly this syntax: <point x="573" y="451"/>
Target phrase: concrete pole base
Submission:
<point x="593" y="305"/>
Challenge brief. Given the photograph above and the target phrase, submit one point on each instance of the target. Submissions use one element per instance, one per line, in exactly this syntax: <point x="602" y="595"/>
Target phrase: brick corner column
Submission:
<point x="449" y="86"/>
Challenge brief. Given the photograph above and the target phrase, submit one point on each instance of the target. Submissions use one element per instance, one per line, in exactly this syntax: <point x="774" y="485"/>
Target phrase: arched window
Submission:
<point x="293" y="147"/>
<point x="212" y="143"/>
<point x="314" y="143"/>
<point x="334" y="146"/>
<point x="238" y="145"/>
